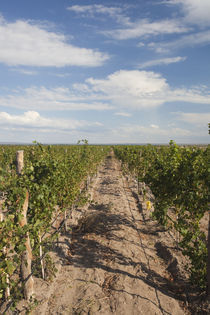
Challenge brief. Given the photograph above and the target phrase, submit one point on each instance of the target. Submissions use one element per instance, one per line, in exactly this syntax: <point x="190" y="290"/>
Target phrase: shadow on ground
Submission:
<point x="86" y="252"/>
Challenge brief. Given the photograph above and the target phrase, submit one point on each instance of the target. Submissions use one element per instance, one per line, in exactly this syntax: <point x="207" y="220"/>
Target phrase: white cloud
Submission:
<point x="123" y="114"/>
<point x="31" y="125"/>
<point x="141" y="44"/>
<point x="145" y="27"/>
<point x="59" y="98"/>
<point x="122" y="90"/>
<point x="113" y="12"/>
<point x="136" y="133"/>
<point x="163" y="61"/>
<point x="144" y="89"/>
<point x="195" y="11"/>
<point x="24" y="71"/>
<point x="131" y="89"/>
<point x="195" y="95"/>
<point x="95" y="8"/>
<point x="27" y="44"/>
<point x="191" y="40"/>
<point x="61" y="75"/>
<point x="194" y="118"/>
<point x="154" y="126"/>
<point x="32" y="119"/>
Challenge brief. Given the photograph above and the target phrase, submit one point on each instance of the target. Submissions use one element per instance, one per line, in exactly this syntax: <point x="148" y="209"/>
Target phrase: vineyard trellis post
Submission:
<point x="26" y="256"/>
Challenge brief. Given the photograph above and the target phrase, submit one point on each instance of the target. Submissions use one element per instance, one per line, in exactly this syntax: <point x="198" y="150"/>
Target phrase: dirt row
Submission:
<point x="114" y="259"/>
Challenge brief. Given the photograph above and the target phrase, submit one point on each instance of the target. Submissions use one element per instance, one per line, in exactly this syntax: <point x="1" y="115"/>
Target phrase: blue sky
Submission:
<point x="106" y="71"/>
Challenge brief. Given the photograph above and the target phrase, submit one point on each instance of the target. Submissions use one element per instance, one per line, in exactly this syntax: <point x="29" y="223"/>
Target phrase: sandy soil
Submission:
<point x="112" y="261"/>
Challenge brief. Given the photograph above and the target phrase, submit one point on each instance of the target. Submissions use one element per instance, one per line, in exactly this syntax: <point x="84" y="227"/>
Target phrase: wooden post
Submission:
<point x="41" y="257"/>
<point x="65" y="221"/>
<point x="26" y="257"/>
<point x="19" y="161"/>
<point x="1" y="215"/>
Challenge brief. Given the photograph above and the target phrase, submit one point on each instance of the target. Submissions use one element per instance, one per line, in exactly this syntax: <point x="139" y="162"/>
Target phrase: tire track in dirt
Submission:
<point x="108" y="263"/>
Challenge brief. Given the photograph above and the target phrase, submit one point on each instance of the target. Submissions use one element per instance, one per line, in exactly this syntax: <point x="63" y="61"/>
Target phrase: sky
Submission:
<point x="111" y="71"/>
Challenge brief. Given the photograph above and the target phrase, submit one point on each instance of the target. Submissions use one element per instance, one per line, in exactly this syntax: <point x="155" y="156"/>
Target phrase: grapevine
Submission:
<point x="53" y="177"/>
<point x="178" y="177"/>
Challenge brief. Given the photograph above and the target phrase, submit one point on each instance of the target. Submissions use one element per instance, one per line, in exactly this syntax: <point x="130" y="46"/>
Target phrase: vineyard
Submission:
<point x="51" y="182"/>
<point x="42" y="187"/>
<point x="178" y="178"/>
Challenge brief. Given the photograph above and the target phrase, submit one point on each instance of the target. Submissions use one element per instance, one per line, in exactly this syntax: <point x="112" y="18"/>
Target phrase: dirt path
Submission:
<point x="109" y="262"/>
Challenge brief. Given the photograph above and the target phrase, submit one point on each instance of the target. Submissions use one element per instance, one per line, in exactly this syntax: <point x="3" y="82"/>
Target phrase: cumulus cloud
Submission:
<point x="144" y="89"/>
<point x="135" y="89"/>
<point x="28" y="44"/>
<point x="163" y="61"/>
<point x="32" y="119"/>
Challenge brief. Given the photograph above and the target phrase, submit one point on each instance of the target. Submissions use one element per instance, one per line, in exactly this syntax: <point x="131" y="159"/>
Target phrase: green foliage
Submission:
<point x="53" y="177"/>
<point x="178" y="178"/>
